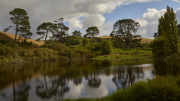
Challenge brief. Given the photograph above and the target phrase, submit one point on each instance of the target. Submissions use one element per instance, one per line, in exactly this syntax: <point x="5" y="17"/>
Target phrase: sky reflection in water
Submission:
<point x="54" y="81"/>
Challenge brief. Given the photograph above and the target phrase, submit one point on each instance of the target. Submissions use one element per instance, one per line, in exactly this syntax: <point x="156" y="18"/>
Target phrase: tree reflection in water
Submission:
<point x="93" y="80"/>
<point x="20" y="92"/>
<point x="57" y="88"/>
<point x="77" y="81"/>
<point x="124" y="78"/>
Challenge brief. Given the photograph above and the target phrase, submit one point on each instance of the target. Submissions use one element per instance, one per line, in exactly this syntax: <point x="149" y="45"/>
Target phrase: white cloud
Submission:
<point x="149" y="22"/>
<point x="41" y="11"/>
<point x="177" y="0"/>
<point x="178" y="15"/>
<point x="93" y="20"/>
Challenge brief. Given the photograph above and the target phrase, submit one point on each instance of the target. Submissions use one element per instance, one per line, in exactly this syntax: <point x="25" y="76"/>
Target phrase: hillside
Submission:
<point x="144" y="40"/>
<point x="11" y="37"/>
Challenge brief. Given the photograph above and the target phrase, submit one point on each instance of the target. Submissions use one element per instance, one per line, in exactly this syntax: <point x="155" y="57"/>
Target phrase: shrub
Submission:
<point x="85" y="41"/>
<point x="3" y="41"/>
<point x="106" y="47"/>
<point x="157" y="48"/>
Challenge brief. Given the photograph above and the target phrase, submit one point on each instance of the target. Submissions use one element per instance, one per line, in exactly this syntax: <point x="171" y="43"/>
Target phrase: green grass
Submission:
<point x="158" y="89"/>
<point x="142" y="53"/>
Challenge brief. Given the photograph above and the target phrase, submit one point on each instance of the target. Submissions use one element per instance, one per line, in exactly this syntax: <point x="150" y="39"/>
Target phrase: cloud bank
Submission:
<point x="92" y="12"/>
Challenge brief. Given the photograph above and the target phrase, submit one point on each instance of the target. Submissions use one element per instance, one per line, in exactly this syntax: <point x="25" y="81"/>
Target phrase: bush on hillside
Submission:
<point x="106" y="47"/>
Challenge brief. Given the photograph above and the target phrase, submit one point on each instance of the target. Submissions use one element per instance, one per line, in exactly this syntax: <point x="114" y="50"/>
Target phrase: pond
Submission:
<point x="55" y="81"/>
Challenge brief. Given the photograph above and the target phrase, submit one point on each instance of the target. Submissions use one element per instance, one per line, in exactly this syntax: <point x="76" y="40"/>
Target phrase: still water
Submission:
<point x="55" y="81"/>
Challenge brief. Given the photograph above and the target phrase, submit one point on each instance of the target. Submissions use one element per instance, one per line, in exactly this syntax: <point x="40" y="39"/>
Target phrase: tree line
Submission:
<point x="125" y="28"/>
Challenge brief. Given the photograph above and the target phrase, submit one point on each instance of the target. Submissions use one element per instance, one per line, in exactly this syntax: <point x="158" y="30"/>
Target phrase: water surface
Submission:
<point x="55" y="81"/>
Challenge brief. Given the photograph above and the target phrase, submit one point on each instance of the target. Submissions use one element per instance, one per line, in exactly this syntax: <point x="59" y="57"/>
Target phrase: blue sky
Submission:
<point x="136" y="10"/>
<point x="81" y="14"/>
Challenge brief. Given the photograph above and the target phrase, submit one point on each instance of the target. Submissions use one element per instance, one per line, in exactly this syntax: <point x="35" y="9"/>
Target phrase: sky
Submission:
<point x="81" y="14"/>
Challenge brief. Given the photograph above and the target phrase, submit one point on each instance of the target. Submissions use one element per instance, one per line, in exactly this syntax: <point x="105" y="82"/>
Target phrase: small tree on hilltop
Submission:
<point x="126" y="29"/>
<point x="60" y="30"/>
<point x="92" y="32"/>
<point x="21" y="20"/>
<point x="77" y="33"/>
<point x="44" y="29"/>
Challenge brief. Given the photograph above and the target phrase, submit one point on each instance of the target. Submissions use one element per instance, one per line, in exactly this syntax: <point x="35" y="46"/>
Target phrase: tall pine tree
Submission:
<point x="21" y="20"/>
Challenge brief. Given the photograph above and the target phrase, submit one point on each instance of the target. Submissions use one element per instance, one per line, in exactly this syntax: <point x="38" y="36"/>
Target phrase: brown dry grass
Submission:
<point x="144" y="40"/>
<point x="11" y="37"/>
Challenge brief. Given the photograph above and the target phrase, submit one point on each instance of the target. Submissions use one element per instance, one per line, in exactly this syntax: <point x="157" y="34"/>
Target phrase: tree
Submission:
<point x="21" y="20"/>
<point x="167" y="35"/>
<point x="106" y="47"/>
<point x="44" y="29"/>
<point x="77" y="33"/>
<point x="178" y="29"/>
<point x="60" y="30"/>
<point x="92" y="32"/>
<point x="85" y="41"/>
<point x="126" y="29"/>
<point x="156" y="35"/>
<point x="170" y="32"/>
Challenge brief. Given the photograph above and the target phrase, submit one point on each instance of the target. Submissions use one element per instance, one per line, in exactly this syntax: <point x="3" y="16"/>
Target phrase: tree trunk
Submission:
<point x="46" y="36"/>
<point x="16" y="32"/>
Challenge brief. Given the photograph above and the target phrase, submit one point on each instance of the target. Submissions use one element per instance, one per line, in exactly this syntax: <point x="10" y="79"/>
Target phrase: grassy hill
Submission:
<point x="144" y="40"/>
<point x="11" y="37"/>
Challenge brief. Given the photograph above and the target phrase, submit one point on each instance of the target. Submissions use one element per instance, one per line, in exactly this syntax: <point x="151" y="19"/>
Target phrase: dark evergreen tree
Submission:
<point x="44" y="29"/>
<point x="21" y="20"/>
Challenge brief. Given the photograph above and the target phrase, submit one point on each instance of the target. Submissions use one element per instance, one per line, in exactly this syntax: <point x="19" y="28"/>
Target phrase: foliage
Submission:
<point x="44" y="28"/>
<point x="178" y="29"/>
<point x="126" y="29"/>
<point x="85" y="41"/>
<point x="92" y="32"/>
<point x="3" y="41"/>
<point x="72" y="40"/>
<point x="60" y="30"/>
<point x="161" y="88"/>
<point x="21" y="20"/>
<point x="173" y="58"/>
<point x="167" y="44"/>
<point x="118" y="43"/>
<point x="25" y="43"/>
<point x="77" y="33"/>
<point x="157" y="48"/>
<point x="106" y="47"/>
<point x="170" y="32"/>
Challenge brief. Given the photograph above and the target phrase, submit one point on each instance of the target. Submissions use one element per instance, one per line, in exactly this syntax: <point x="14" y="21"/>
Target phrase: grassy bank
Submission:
<point x="125" y="53"/>
<point x="17" y="53"/>
<point x="25" y="51"/>
<point x="160" y="88"/>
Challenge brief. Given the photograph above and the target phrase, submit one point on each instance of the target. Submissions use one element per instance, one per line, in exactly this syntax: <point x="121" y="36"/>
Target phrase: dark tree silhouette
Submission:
<point x="126" y="29"/>
<point x="21" y="20"/>
<point x="44" y="29"/>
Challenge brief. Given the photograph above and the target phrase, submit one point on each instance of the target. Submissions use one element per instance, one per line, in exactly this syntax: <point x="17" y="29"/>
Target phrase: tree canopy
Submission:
<point x="167" y="35"/>
<point x="44" y="28"/>
<point x="92" y="32"/>
<point x="77" y="33"/>
<point x="126" y="29"/>
<point x="178" y="29"/>
<point x="21" y="20"/>
<point x="60" y="30"/>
